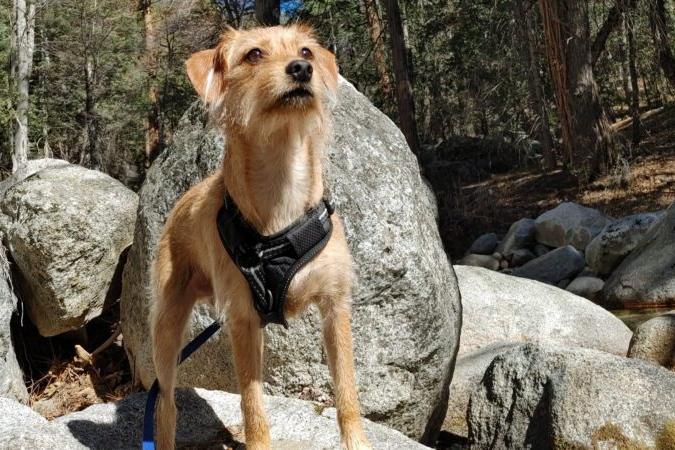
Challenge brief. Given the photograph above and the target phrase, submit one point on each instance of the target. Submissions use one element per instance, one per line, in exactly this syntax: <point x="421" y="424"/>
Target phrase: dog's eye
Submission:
<point x="306" y="53"/>
<point x="254" y="55"/>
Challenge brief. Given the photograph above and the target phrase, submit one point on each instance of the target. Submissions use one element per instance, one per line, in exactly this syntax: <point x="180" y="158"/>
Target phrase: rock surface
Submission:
<point x="11" y="377"/>
<point x="585" y="286"/>
<point x="521" y="256"/>
<point x="569" y="224"/>
<point x="406" y="308"/>
<point x="560" y="264"/>
<point x="469" y="371"/>
<point x="654" y="340"/>
<point x="554" y="398"/>
<point x="617" y="240"/>
<point x="520" y="235"/>
<point x="500" y="308"/>
<point x="66" y="228"/>
<point x="23" y="428"/>
<point x="206" y="419"/>
<point x="485" y="244"/>
<point x="647" y="275"/>
<point x="484" y="261"/>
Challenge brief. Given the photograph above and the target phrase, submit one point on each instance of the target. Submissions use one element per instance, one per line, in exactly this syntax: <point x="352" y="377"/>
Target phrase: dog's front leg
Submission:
<point x="247" y="346"/>
<point x="337" y="335"/>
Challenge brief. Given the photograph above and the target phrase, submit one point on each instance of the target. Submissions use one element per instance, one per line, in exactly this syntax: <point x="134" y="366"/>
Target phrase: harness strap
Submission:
<point x="269" y="263"/>
<point x="149" y="418"/>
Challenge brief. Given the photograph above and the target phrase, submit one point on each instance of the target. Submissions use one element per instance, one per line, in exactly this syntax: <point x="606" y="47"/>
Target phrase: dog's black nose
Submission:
<point x="300" y="70"/>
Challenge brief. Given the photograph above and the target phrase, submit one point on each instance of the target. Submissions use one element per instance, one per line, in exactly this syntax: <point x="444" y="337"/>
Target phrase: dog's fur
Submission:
<point x="273" y="171"/>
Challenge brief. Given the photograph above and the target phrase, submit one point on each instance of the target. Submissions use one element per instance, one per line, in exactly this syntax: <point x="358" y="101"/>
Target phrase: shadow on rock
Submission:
<point x="119" y="426"/>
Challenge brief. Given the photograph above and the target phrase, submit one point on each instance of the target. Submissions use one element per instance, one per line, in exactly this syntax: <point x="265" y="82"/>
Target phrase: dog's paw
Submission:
<point x="356" y="443"/>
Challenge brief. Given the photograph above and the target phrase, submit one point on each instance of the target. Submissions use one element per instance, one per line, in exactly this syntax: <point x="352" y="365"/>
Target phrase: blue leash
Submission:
<point x="149" y="418"/>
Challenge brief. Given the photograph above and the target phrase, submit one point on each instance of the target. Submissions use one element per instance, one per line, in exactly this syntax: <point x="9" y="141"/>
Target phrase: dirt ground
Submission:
<point x="643" y="180"/>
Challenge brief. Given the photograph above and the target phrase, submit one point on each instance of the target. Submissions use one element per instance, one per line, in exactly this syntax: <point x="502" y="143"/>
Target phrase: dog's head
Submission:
<point x="264" y="77"/>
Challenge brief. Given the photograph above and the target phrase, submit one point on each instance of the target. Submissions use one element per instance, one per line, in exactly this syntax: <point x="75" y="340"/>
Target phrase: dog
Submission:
<point x="268" y="90"/>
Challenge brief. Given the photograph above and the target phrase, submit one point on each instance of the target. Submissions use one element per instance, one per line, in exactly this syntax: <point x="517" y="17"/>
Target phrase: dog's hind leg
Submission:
<point x="337" y="336"/>
<point x="174" y="299"/>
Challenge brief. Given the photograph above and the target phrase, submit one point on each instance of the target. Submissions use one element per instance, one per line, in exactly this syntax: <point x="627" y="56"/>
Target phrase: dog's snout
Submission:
<point x="300" y="70"/>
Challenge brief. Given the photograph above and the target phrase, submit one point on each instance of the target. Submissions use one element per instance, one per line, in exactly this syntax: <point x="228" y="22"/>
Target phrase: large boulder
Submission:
<point x="23" y="428"/>
<point x="569" y="224"/>
<point x="209" y="419"/>
<point x="646" y="277"/>
<point x="406" y="307"/>
<point x="563" y="263"/>
<point x="501" y="311"/>
<point x="67" y="228"/>
<point x="654" y="340"/>
<point x="554" y="398"/>
<point x="469" y="371"/>
<point x="11" y="377"/>
<point x="617" y="240"/>
<point x="500" y="308"/>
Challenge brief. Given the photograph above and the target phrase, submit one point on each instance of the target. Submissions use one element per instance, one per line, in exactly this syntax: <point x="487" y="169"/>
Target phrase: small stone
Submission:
<point x="654" y="341"/>
<point x="541" y="250"/>
<point x="569" y="224"/>
<point x="485" y="261"/>
<point x="504" y="264"/>
<point x="562" y="284"/>
<point x="586" y="286"/>
<point x="498" y="256"/>
<point x="484" y="245"/>
<point x="559" y="264"/>
<point x="521" y="256"/>
<point x="520" y="235"/>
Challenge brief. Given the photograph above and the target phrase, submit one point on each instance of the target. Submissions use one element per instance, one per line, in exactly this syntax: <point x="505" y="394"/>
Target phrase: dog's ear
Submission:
<point x="327" y="60"/>
<point x="205" y="70"/>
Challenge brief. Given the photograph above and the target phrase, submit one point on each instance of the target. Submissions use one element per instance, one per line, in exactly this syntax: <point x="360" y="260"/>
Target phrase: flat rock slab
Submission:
<point x="406" y="306"/>
<point x="212" y="419"/>
<point x="66" y="228"/>
<point x="550" y="397"/>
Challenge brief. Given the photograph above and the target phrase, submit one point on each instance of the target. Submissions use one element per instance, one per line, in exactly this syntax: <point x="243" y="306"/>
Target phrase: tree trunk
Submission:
<point x="537" y="100"/>
<point x="658" y="21"/>
<point x="268" y="12"/>
<point x="22" y="46"/>
<point x="90" y="115"/>
<point x="587" y="136"/>
<point x="376" y="38"/>
<point x="635" y="90"/>
<point x="404" y="92"/>
<point x="154" y="136"/>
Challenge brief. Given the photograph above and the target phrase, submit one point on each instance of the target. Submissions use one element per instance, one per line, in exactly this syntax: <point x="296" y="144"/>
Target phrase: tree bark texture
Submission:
<point x="404" y="92"/>
<point x="632" y="68"/>
<point x="268" y="12"/>
<point x="587" y="136"/>
<point x="22" y="47"/>
<point x="659" y="25"/>
<point x="154" y="136"/>
<point x="537" y="100"/>
<point x="377" y="39"/>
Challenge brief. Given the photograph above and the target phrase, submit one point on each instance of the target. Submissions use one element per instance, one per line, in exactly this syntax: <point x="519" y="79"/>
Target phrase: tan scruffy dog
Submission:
<point x="267" y="89"/>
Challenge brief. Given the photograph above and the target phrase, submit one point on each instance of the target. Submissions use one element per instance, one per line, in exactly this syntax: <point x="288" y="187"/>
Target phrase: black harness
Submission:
<point x="269" y="263"/>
